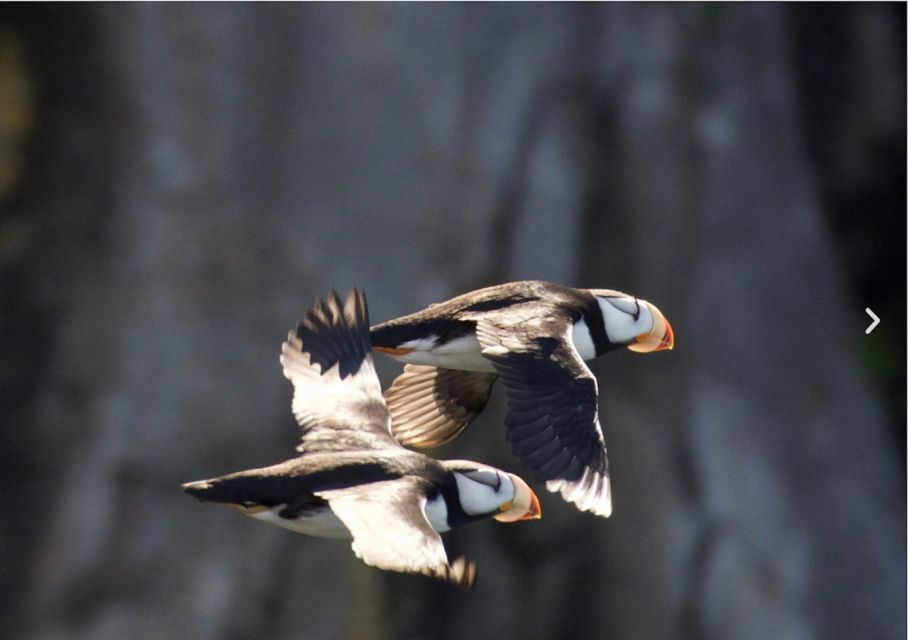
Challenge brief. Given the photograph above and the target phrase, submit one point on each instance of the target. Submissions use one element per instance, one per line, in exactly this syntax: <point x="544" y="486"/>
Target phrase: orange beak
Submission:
<point x="525" y="505"/>
<point x="668" y="340"/>
<point x="535" y="512"/>
<point x="660" y="337"/>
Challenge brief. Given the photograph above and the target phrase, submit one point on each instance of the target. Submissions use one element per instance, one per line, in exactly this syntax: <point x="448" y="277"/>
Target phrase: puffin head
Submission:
<point x="487" y="491"/>
<point x="634" y="323"/>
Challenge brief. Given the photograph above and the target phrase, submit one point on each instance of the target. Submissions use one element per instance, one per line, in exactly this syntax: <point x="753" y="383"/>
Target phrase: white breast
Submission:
<point x="463" y="354"/>
<point x="321" y="523"/>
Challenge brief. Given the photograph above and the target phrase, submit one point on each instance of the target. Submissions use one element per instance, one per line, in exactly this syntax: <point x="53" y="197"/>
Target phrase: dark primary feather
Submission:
<point x="338" y="409"/>
<point x="552" y="420"/>
<point x="333" y="332"/>
<point x="552" y="412"/>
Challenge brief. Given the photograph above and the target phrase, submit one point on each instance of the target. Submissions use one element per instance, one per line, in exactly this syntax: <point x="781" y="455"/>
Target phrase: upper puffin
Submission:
<point x="352" y="479"/>
<point x="535" y="335"/>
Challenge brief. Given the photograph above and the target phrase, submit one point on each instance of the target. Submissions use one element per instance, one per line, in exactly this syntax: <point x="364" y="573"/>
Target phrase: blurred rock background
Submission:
<point x="178" y="183"/>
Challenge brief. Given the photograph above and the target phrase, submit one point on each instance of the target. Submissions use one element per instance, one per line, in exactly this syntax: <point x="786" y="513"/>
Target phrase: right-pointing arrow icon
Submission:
<point x="873" y="317"/>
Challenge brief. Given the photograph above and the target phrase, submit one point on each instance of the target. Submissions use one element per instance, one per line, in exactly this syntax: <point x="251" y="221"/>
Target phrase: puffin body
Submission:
<point x="352" y="479"/>
<point x="535" y="336"/>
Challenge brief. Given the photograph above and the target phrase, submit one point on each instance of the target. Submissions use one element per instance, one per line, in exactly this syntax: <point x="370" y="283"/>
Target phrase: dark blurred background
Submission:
<point x="178" y="182"/>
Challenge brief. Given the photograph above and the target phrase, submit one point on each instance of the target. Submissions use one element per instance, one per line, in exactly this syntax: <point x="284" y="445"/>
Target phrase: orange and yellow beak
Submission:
<point x="524" y="506"/>
<point x="535" y="511"/>
<point x="659" y="338"/>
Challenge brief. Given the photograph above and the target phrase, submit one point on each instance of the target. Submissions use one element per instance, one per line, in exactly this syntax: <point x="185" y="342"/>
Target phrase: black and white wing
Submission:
<point x="553" y="413"/>
<point x="337" y="397"/>
<point x="390" y="530"/>
<point x="431" y="406"/>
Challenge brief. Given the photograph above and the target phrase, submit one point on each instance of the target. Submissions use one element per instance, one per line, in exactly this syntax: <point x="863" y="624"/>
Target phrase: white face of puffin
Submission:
<point x="488" y="492"/>
<point x="636" y="323"/>
<point x="501" y="495"/>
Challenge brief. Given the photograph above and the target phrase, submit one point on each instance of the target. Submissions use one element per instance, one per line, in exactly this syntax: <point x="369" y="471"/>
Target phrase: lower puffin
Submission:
<point x="352" y="479"/>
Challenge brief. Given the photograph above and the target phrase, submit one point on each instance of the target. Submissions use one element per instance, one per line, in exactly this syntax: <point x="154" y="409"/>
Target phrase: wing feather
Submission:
<point x="337" y="398"/>
<point x="390" y="530"/>
<point x="431" y="406"/>
<point x="553" y="414"/>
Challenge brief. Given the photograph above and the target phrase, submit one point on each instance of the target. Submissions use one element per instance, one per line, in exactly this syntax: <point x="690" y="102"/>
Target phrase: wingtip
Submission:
<point x="355" y="303"/>
<point x="356" y="309"/>
<point x="335" y="299"/>
<point x="593" y="493"/>
<point x="462" y="573"/>
<point x="337" y="331"/>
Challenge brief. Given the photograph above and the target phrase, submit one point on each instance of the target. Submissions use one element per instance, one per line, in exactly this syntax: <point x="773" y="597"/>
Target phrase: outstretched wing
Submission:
<point x="430" y="406"/>
<point x="337" y="398"/>
<point x="553" y="414"/>
<point x="390" y="530"/>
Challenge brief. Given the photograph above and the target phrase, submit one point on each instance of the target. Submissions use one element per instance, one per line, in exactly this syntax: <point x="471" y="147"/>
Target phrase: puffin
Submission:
<point x="536" y="337"/>
<point x="352" y="479"/>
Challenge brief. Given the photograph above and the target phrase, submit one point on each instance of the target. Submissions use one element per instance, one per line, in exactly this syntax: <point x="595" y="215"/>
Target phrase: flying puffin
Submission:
<point x="535" y="336"/>
<point x="352" y="479"/>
